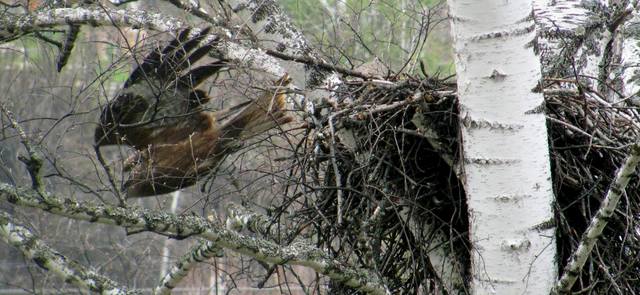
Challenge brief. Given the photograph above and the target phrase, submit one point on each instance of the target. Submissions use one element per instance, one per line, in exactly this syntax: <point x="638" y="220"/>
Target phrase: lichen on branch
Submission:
<point x="297" y="253"/>
<point x="51" y="260"/>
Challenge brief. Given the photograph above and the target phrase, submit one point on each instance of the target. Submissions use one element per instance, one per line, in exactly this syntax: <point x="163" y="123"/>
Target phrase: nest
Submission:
<point x="382" y="192"/>
<point x="589" y="141"/>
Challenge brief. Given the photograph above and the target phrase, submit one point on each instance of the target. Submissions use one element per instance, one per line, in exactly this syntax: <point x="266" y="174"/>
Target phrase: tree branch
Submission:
<point x="201" y="252"/>
<point x="291" y="42"/>
<point x="297" y="253"/>
<point x="278" y="23"/>
<point x="16" y="25"/>
<point x="50" y="260"/>
<point x="239" y="218"/>
<point x="610" y="75"/>
<point x="196" y="10"/>
<point x="35" y="161"/>
<point x="318" y="63"/>
<point x="590" y="236"/>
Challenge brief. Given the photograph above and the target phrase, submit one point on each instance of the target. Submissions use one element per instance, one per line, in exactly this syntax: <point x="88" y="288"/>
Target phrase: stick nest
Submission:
<point x="382" y="188"/>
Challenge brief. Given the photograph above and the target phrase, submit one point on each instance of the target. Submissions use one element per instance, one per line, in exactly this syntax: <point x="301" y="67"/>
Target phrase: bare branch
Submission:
<point x="318" y="63"/>
<point x="292" y="44"/>
<point x="196" y="10"/>
<point x="239" y="218"/>
<point x="276" y="22"/>
<point x="336" y="171"/>
<point x="95" y="16"/>
<point x="12" y="26"/>
<point x="297" y="253"/>
<point x="48" y="259"/>
<point x="34" y="162"/>
<point x="611" y="81"/>
<point x="203" y="251"/>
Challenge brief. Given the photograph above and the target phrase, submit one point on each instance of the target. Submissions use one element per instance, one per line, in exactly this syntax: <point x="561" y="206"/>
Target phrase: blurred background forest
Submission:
<point x="59" y="110"/>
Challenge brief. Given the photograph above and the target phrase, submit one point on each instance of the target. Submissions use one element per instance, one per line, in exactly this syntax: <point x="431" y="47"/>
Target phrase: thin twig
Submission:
<point x="110" y="176"/>
<point x="318" y="63"/>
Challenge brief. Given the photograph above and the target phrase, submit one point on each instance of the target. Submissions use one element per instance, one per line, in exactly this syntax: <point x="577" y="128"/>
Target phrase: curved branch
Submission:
<point x="51" y="260"/>
<point x="297" y="253"/>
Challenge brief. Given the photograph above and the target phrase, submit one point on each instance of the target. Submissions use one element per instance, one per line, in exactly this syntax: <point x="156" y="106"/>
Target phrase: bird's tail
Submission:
<point x="261" y="115"/>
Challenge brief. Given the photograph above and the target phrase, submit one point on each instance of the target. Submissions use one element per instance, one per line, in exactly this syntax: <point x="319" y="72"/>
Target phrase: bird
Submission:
<point x="162" y="115"/>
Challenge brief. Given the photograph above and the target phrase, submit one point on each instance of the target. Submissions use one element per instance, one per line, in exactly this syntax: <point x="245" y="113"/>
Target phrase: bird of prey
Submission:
<point x="161" y="114"/>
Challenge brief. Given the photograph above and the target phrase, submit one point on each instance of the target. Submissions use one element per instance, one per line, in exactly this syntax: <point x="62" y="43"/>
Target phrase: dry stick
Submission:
<point x="599" y="221"/>
<point x="48" y="259"/>
<point x="317" y="62"/>
<point x="203" y="251"/>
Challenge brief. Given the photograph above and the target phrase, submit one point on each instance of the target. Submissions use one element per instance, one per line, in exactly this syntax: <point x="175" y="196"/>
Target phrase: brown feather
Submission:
<point x="176" y="141"/>
<point x="164" y="168"/>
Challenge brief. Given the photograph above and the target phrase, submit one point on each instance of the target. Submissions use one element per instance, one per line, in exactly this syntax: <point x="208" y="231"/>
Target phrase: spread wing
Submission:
<point x="159" y="113"/>
<point x="164" y="168"/>
<point x="159" y="102"/>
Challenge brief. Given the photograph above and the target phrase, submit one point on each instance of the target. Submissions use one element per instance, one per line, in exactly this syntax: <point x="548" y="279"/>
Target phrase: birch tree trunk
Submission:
<point x="505" y="148"/>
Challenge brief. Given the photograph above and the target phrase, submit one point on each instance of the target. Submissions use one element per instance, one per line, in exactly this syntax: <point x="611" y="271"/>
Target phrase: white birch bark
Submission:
<point x="267" y="18"/>
<point x="587" y="40"/>
<point x="505" y="149"/>
<point x="593" y="40"/>
<point x="14" y="26"/>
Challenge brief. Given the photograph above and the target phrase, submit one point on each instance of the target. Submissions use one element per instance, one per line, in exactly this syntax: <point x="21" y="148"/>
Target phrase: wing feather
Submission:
<point x="174" y="58"/>
<point x="169" y="101"/>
